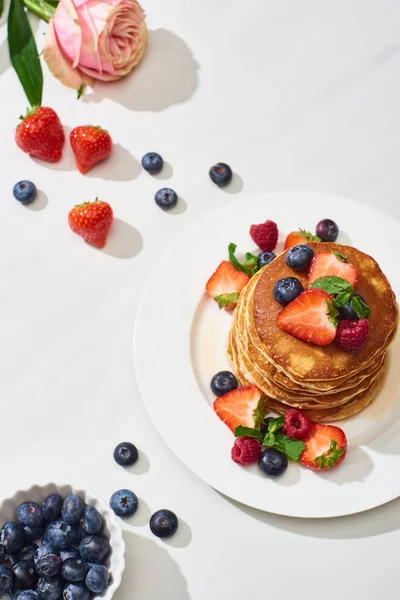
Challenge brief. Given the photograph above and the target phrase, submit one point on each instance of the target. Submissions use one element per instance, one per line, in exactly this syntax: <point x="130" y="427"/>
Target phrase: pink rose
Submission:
<point x="100" y="39"/>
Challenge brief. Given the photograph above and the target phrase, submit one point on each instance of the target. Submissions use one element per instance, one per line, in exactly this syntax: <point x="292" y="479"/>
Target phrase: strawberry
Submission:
<point x="244" y="406"/>
<point x="300" y="237"/>
<point x="265" y="235"/>
<point x="310" y="317"/>
<point x="90" y="145"/>
<point x="41" y="134"/>
<point x="92" y="221"/>
<point x="226" y="284"/>
<point x="326" y="447"/>
<point x="326" y="264"/>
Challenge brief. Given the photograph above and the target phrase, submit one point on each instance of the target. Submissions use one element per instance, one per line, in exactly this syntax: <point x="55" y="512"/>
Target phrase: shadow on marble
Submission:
<point x="182" y="538"/>
<point x="142" y="465"/>
<point x="120" y="166"/>
<point x="40" y="202"/>
<point x="235" y="186"/>
<point x="124" y="241"/>
<point x="166" y="172"/>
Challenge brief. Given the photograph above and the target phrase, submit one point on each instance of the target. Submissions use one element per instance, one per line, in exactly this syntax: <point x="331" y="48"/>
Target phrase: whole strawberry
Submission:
<point x="41" y="134"/>
<point x="92" y="221"/>
<point x="90" y="145"/>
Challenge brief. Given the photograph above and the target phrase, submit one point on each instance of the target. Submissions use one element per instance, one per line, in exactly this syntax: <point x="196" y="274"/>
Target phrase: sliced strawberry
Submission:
<point x="226" y="284"/>
<point x="310" y="317"/>
<point x="300" y="237"/>
<point x="326" y="264"/>
<point x="326" y="447"/>
<point x="244" y="406"/>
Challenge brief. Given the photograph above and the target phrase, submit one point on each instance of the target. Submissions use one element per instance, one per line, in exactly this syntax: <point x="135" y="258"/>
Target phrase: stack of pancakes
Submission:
<point x="328" y="382"/>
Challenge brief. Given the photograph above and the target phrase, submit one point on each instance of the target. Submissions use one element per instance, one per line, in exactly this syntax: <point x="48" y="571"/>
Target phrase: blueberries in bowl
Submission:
<point x="33" y="533"/>
<point x="61" y="534"/>
<point x="30" y="514"/>
<point x="299" y="257"/>
<point x="6" y="580"/>
<point x="50" y="589"/>
<point x="43" y="550"/>
<point x="12" y="537"/>
<point x="69" y="552"/>
<point x="223" y="382"/>
<point x="9" y="560"/>
<point x="94" y="548"/>
<point x="97" y="578"/>
<point x="287" y="289"/>
<point x="71" y="509"/>
<point x="27" y="552"/>
<point x="125" y="454"/>
<point x="52" y="507"/>
<point x="76" y="591"/>
<point x="25" y="576"/>
<point x="26" y="595"/>
<point x="49" y="566"/>
<point x="74" y="570"/>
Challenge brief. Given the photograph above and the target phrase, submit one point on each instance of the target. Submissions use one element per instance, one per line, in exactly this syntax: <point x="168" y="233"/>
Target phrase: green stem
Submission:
<point x="41" y="8"/>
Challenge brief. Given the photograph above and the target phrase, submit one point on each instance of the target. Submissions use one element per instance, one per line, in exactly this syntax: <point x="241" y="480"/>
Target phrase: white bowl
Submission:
<point x="115" y="560"/>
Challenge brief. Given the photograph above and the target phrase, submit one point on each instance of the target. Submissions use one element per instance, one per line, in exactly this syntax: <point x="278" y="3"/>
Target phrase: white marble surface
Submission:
<point x="294" y="95"/>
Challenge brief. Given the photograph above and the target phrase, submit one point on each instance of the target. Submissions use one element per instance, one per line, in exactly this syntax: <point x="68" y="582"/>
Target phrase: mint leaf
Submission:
<point x="241" y="431"/>
<point x="332" y="284"/>
<point x="309" y="236"/>
<point x="269" y="439"/>
<point x="249" y="264"/>
<point x="342" y="298"/>
<point x="340" y="257"/>
<point x="292" y="448"/>
<point x="260" y="412"/>
<point x="224" y="300"/>
<point x="359" y="307"/>
<point x="275" y="424"/>
<point x="333" y="313"/>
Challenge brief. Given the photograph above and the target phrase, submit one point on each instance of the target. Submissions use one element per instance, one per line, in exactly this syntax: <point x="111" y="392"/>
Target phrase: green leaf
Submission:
<point x="332" y="284"/>
<point x="249" y="265"/>
<point x="260" y="412"/>
<point x="342" y="298"/>
<point x="359" y="307"/>
<point x="241" y="431"/>
<point x="329" y="458"/>
<point x="23" y="53"/>
<point x="275" y="424"/>
<point x="269" y="439"/>
<point x="44" y="9"/>
<point x="80" y="92"/>
<point x="1" y="7"/>
<point x="224" y="300"/>
<point x="309" y="236"/>
<point x="341" y="257"/>
<point x="292" y="448"/>
<point x="333" y="313"/>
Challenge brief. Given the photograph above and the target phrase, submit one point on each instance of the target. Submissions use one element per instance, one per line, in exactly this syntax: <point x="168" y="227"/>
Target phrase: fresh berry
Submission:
<point x="296" y="424"/>
<point x="94" y="548"/>
<point x="76" y="591"/>
<point x="70" y="552"/>
<point x="6" y="580"/>
<point x="220" y="174"/>
<point x="33" y="533"/>
<point x="273" y="462"/>
<point x="300" y="237"/>
<point x="125" y="454"/>
<point x="265" y="235"/>
<point x="90" y="145"/>
<point x="163" y="523"/>
<point x="308" y="318"/>
<point x="327" y="230"/>
<point x="25" y="576"/>
<point x="91" y="520"/>
<point x="12" y="537"/>
<point x="50" y="589"/>
<point x="25" y="191"/>
<point x="152" y="163"/>
<point x="9" y="560"/>
<point x="124" y="503"/>
<point x="74" y="569"/>
<point x="97" y="578"/>
<point x="264" y="258"/>
<point x="223" y="382"/>
<point x="43" y="550"/>
<point x="243" y="406"/>
<point x="71" y="509"/>
<point x="166" y="198"/>
<point x="61" y="535"/>
<point x="346" y="313"/>
<point x="27" y="552"/>
<point x="326" y="447"/>
<point x="226" y="284"/>
<point x="49" y="566"/>
<point x="352" y="335"/>
<point x="245" y="451"/>
<point x="299" y="257"/>
<point x="41" y="134"/>
<point x="1" y="554"/>
<point x="26" y="595"/>
<point x="92" y="221"/>
<point x="264" y="426"/>
<point x="31" y="514"/>
<point x="52" y="507"/>
<point x="287" y="289"/>
<point x="326" y="264"/>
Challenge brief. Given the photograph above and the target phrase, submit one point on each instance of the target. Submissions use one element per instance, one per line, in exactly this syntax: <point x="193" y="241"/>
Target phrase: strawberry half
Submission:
<point x="326" y="447"/>
<point x="310" y="317"/>
<point x="226" y="284"/>
<point x="244" y="406"/>
<point x="326" y="264"/>
<point x="300" y="237"/>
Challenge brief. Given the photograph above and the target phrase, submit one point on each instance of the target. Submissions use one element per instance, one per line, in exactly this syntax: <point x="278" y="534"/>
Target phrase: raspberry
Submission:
<point x="245" y="451"/>
<point x="352" y="335"/>
<point x="296" y="425"/>
<point x="265" y="235"/>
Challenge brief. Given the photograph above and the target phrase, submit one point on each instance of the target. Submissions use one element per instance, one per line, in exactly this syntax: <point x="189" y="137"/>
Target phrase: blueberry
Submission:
<point x="346" y="313"/>
<point x="94" y="548"/>
<point x="223" y="382"/>
<point x="299" y="257"/>
<point x="26" y="595"/>
<point x="272" y="462"/>
<point x="327" y="230"/>
<point x="220" y="174"/>
<point x="97" y="578"/>
<point x="163" y="523"/>
<point x="124" y="503"/>
<point x="264" y="258"/>
<point x="12" y="537"/>
<point x="44" y="550"/>
<point x="50" y="589"/>
<point x="25" y="191"/>
<point x="61" y="534"/>
<point x="74" y="569"/>
<point x="1" y="554"/>
<point x="166" y="198"/>
<point x="24" y="575"/>
<point x="27" y="552"/>
<point x="6" y="580"/>
<point x="126" y="454"/>
<point x="71" y="509"/>
<point x="9" y="560"/>
<point x="70" y="552"/>
<point x="76" y="591"/>
<point x="287" y="289"/>
<point x="152" y="163"/>
<point x="49" y="566"/>
<point x="91" y="521"/>
<point x="30" y="514"/>
<point x="33" y="533"/>
<point x="52" y="507"/>
<point x="264" y="426"/>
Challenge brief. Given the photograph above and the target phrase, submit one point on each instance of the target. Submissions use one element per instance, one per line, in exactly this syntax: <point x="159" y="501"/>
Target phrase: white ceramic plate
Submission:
<point x="180" y="340"/>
